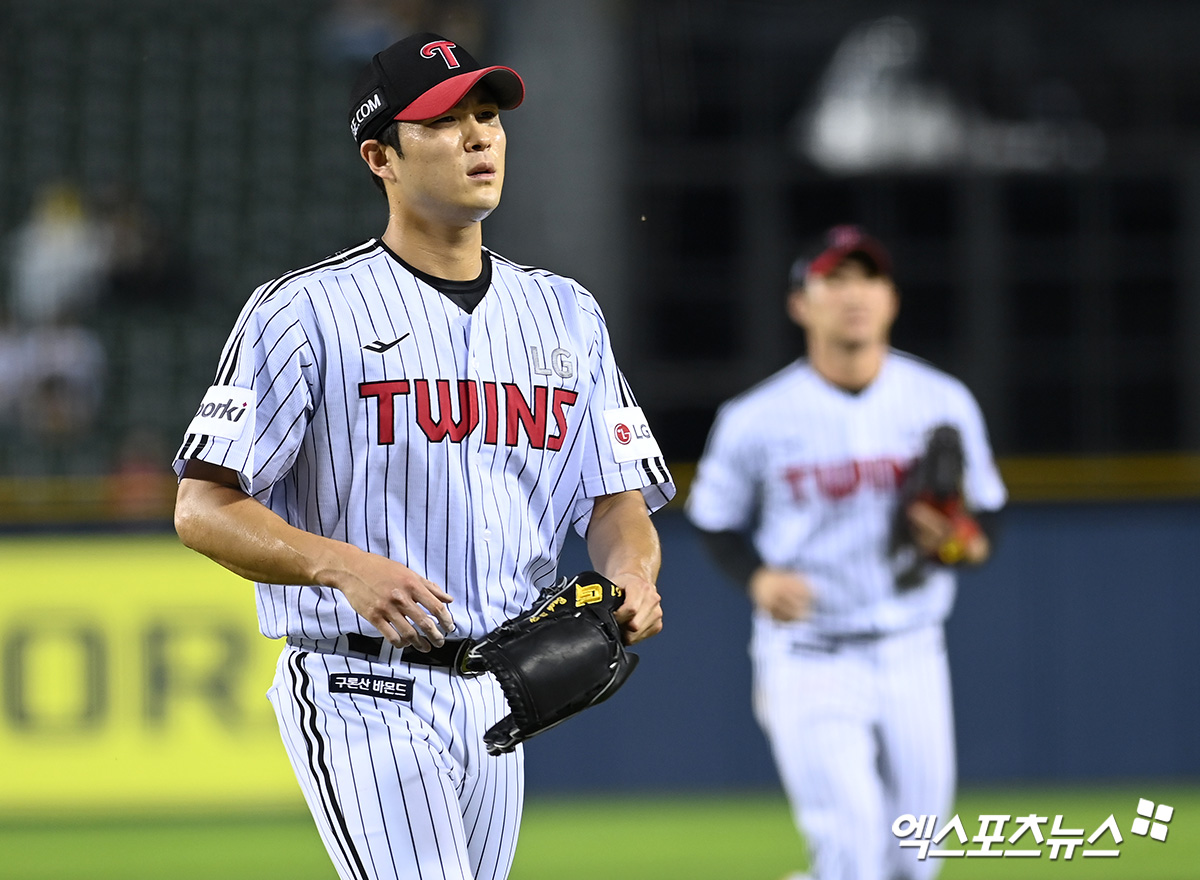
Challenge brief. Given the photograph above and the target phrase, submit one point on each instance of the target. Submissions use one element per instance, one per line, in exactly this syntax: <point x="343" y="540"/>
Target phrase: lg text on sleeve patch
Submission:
<point x="629" y="434"/>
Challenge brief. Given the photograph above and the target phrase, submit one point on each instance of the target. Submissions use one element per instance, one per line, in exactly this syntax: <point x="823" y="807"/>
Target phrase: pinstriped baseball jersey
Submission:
<point x="855" y="698"/>
<point x="816" y="469"/>
<point x="360" y="403"/>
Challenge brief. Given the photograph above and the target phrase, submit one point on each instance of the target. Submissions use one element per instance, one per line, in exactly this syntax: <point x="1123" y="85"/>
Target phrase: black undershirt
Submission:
<point x="464" y="294"/>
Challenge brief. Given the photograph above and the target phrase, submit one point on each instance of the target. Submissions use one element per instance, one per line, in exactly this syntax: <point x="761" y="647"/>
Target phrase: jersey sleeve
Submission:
<point x="723" y="495"/>
<point x="621" y="453"/>
<point x="983" y="485"/>
<point x="252" y="420"/>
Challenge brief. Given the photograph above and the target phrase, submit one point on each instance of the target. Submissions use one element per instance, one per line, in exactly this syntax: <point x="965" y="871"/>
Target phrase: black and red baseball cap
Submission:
<point x="420" y="77"/>
<point x="837" y="245"/>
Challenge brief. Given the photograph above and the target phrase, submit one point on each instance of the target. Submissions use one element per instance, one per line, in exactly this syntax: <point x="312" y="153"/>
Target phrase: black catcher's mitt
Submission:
<point x="564" y="654"/>
<point x="936" y="479"/>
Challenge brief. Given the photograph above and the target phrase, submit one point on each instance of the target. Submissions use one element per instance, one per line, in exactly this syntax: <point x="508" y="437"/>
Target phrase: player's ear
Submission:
<point x="797" y="306"/>
<point x="375" y="154"/>
<point x="895" y="299"/>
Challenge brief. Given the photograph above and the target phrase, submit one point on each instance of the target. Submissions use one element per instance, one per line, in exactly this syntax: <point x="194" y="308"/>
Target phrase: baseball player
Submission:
<point x="396" y="443"/>
<point x="796" y="495"/>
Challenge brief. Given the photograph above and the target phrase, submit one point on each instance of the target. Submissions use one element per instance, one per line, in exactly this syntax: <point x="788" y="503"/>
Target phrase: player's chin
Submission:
<point x="859" y="336"/>
<point x="467" y="215"/>
<point x="480" y="205"/>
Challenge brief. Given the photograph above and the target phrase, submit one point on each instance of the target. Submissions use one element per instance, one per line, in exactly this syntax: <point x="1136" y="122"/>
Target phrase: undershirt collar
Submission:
<point x="464" y="294"/>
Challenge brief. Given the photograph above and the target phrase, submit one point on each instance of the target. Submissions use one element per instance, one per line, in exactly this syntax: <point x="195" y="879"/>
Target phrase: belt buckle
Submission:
<point x="463" y="658"/>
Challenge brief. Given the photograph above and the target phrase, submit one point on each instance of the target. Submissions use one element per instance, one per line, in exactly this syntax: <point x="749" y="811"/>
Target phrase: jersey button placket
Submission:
<point x="477" y="491"/>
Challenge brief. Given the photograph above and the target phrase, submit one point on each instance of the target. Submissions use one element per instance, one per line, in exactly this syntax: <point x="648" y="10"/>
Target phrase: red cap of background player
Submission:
<point x="839" y="243"/>
<point x="420" y="77"/>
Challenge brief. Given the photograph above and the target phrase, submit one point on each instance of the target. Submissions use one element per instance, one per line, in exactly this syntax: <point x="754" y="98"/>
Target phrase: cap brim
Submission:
<point x="505" y="83"/>
<point x="830" y="258"/>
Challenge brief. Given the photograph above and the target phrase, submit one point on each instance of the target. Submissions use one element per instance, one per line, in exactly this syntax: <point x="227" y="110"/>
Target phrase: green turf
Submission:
<point x="173" y="848"/>
<point x="751" y="837"/>
<point x="1177" y="858"/>
<point x="700" y="837"/>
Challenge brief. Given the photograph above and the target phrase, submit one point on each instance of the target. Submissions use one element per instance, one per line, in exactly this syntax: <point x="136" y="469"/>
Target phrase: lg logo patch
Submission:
<point x="630" y="433"/>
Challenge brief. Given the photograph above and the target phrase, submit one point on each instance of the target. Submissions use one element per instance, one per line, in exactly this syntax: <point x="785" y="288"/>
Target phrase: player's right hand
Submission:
<point x="782" y="593"/>
<point x="407" y="609"/>
<point x="949" y="538"/>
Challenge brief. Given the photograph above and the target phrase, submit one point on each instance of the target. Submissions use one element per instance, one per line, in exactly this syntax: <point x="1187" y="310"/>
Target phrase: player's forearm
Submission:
<point x="239" y="533"/>
<point x="621" y="539"/>
<point x="734" y="553"/>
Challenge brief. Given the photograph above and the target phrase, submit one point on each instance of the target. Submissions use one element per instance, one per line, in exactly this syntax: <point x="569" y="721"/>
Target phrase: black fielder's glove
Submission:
<point x="937" y="480"/>
<point x="564" y="654"/>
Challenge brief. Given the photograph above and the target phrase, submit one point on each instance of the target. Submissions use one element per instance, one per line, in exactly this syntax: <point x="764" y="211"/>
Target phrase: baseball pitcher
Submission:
<point x="397" y="441"/>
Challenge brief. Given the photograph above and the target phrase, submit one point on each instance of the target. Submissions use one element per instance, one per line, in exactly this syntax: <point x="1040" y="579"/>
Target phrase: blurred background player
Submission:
<point x="795" y="497"/>
<point x="398" y="441"/>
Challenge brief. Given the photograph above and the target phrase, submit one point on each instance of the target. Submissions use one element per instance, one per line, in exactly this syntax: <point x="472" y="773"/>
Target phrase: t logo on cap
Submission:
<point x="441" y="47"/>
<point x="399" y="84"/>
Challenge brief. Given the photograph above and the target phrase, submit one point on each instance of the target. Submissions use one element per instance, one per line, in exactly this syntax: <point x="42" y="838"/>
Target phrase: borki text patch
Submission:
<point x="225" y="412"/>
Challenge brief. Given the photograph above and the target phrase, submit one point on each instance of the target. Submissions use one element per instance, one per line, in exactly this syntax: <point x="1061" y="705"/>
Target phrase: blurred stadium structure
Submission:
<point x="672" y="155"/>
<point x="1063" y="287"/>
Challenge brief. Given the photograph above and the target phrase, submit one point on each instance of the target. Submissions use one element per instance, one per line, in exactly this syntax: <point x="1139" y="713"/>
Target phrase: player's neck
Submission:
<point x="452" y="253"/>
<point x="850" y="367"/>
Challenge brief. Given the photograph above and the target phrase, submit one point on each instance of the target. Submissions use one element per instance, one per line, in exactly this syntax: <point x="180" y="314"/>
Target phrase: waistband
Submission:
<point x="449" y="656"/>
<point x="829" y="643"/>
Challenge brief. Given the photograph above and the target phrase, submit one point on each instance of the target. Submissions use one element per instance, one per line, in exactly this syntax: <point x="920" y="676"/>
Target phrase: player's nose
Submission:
<point x="479" y="137"/>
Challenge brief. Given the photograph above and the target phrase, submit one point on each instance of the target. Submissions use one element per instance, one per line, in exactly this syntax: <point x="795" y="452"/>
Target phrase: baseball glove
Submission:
<point x="937" y="480"/>
<point x="564" y="654"/>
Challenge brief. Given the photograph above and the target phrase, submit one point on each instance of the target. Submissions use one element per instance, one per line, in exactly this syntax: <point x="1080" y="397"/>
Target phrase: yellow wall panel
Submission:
<point x="132" y="675"/>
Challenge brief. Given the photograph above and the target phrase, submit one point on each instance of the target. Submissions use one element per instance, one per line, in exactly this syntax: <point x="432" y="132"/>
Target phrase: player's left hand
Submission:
<point x="640" y="615"/>
<point x="934" y="532"/>
<point x="784" y="594"/>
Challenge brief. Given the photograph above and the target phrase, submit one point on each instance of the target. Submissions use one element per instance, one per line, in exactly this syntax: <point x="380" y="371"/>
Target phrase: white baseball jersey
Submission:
<point x="359" y="403"/>
<point x="815" y="470"/>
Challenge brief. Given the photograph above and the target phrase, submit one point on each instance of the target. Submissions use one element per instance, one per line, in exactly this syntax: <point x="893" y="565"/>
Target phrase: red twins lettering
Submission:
<point x="443" y="48"/>
<point x="445" y="426"/>
<point x="385" y="392"/>
<point x="520" y="415"/>
<point x="533" y="419"/>
<point x="836" y="480"/>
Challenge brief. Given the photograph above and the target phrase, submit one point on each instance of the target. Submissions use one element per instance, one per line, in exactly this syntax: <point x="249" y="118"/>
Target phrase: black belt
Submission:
<point x="828" y="644"/>
<point x="449" y="655"/>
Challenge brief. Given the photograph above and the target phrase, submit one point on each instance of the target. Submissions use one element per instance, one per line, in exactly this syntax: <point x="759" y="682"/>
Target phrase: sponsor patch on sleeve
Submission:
<point x="629" y="434"/>
<point x="224" y="412"/>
